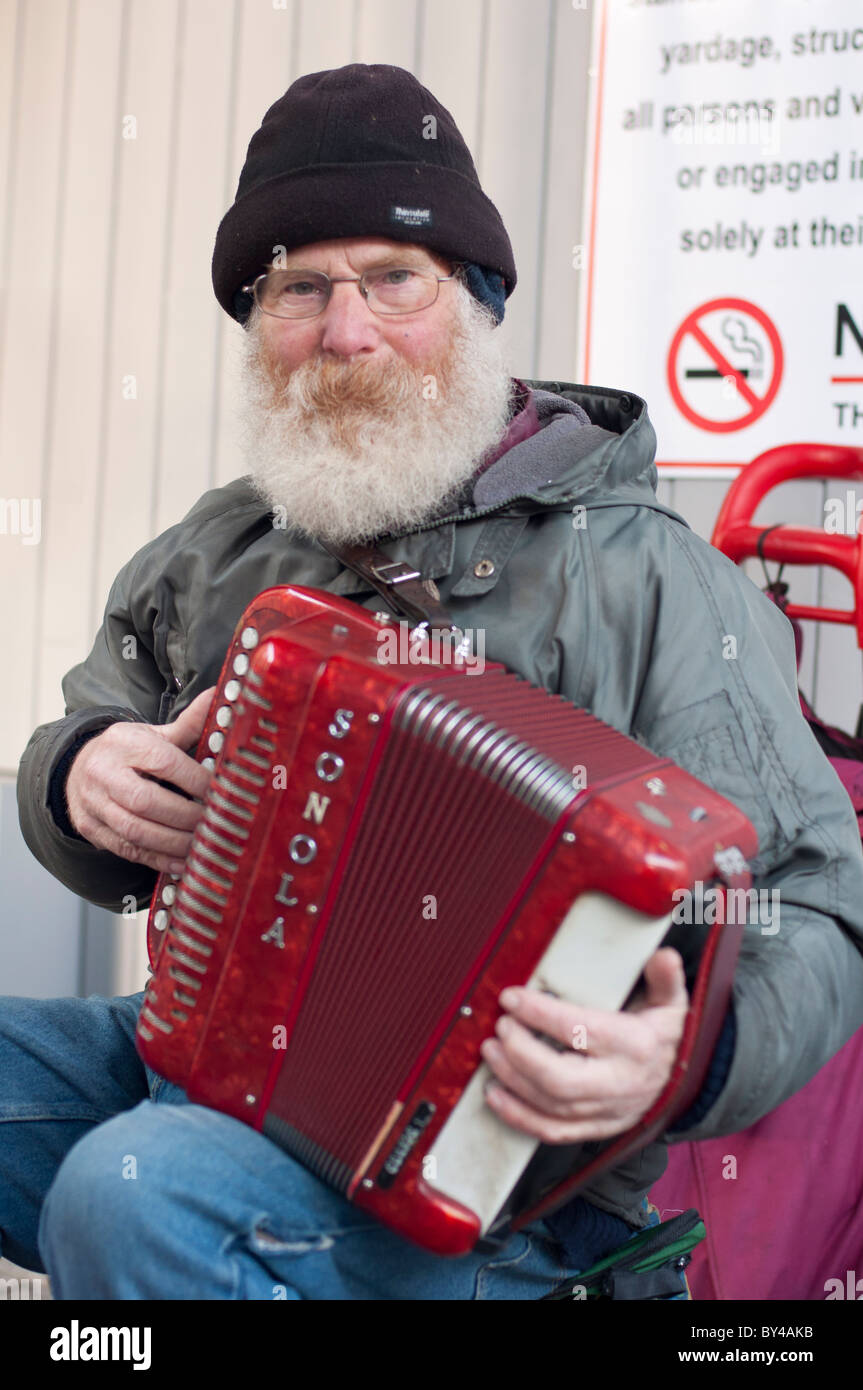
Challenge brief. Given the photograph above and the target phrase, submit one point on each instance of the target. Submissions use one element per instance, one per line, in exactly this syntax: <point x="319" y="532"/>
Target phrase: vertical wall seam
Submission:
<point x="227" y="186"/>
<point x="296" y="18"/>
<point x="51" y="366"/>
<point x="481" y="92"/>
<point x="12" y="162"/>
<point x="544" y="181"/>
<point x="95" y="600"/>
<point x="356" y="13"/>
<point x="165" y="296"/>
<point x="419" y="26"/>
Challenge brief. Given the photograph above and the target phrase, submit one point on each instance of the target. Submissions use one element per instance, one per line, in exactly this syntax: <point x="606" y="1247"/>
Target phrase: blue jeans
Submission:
<point x="118" y="1187"/>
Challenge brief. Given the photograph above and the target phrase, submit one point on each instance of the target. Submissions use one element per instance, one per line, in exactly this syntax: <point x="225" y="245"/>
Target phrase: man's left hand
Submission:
<point x="613" y="1067"/>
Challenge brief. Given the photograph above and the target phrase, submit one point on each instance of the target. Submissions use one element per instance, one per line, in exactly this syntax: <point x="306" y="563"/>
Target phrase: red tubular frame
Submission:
<point x="735" y="535"/>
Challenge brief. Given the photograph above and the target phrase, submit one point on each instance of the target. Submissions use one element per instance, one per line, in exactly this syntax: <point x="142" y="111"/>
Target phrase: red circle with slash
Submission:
<point x="757" y="404"/>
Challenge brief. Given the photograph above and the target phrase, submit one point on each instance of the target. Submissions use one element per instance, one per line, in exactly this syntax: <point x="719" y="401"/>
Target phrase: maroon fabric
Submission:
<point x="782" y="1201"/>
<point x="849" y="770"/>
<point x="844" y="751"/>
<point x="523" y="424"/>
<point x="850" y="773"/>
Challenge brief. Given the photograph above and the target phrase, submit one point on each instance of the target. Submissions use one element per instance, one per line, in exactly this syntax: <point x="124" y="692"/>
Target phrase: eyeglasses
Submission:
<point x="302" y="294"/>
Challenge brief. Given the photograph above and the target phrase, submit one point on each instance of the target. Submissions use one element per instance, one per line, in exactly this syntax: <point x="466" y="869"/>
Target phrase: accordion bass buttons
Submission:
<point x="241" y="663"/>
<point x="249" y="637"/>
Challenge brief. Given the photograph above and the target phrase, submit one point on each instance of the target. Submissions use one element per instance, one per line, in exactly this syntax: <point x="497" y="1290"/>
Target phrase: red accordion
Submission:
<point x="385" y="845"/>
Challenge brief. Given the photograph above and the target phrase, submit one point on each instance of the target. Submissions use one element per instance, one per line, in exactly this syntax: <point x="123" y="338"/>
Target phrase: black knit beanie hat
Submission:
<point x="362" y="150"/>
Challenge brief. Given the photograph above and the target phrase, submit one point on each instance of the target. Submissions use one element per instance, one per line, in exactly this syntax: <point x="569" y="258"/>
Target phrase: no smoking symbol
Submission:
<point x="724" y="365"/>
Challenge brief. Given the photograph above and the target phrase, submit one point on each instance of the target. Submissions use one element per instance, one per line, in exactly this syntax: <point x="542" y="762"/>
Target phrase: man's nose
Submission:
<point x="348" y="324"/>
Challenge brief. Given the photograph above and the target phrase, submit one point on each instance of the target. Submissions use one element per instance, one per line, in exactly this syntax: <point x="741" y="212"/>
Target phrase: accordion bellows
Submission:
<point x="384" y="847"/>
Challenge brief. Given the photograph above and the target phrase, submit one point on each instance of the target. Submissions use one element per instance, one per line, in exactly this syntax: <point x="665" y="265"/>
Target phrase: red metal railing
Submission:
<point x="736" y="536"/>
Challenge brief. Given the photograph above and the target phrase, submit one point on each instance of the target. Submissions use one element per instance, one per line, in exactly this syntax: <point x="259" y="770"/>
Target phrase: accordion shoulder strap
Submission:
<point x="403" y="587"/>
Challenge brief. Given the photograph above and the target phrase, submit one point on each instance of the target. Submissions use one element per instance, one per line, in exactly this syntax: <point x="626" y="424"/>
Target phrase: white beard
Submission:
<point x="349" y="450"/>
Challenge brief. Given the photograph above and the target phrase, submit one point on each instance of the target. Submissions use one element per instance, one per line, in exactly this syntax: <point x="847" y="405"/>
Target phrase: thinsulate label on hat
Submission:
<point x="411" y="217"/>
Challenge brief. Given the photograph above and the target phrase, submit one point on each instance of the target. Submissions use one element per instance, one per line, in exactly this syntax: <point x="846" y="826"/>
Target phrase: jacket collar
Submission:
<point x="594" y="445"/>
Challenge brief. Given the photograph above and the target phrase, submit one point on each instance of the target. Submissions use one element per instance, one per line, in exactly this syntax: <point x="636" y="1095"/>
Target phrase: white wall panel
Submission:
<point x="39" y="121"/>
<point x="264" y="68"/>
<point x="79" y="386"/>
<point x="453" y="60"/>
<point x="326" y="34"/>
<point x="387" y="31"/>
<point x="143" y="128"/>
<point x="11" y="36"/>
<point x="512" y="148"/>
<point x="553" y="350"/>
<point x="188" y="361"/>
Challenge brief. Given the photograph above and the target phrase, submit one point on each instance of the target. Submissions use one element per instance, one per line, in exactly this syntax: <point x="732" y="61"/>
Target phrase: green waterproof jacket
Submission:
<point x="619" y="607"/>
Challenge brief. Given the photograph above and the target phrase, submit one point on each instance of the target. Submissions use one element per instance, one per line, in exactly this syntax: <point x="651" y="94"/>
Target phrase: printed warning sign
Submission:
<point x="718" y="258"/>
<point x="725" y="365"/>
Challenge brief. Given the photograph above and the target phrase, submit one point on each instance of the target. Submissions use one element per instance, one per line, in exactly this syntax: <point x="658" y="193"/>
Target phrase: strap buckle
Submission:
<point x="378" y="571"/>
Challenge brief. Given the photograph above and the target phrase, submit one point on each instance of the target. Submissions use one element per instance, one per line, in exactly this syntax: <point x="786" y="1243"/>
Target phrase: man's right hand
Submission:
<point x="116" y="804"/>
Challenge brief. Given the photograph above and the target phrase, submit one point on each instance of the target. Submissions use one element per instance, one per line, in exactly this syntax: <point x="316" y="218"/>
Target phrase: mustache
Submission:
<point x="330" y="386"/>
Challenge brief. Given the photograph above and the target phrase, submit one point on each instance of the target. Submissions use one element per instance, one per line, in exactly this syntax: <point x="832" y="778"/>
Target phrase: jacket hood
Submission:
<point x="595" y="446"/>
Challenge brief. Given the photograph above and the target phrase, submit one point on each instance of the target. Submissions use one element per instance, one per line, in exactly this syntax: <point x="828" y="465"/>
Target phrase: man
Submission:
<point x="370" y="271"/>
